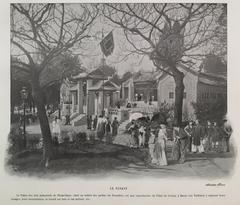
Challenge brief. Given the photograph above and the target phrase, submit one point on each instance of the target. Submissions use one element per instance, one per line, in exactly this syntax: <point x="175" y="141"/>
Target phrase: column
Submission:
<point x="131" y="93"/>
<point x="89" y="84"/>
<point x="123" y="91"/>
<point x="100" y="103"/>
<point x="80" y="97"/>
<point x="73" y="102"/>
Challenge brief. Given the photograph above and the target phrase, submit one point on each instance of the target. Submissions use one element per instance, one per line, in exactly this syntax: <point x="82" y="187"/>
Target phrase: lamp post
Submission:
<point x="24" y="95"/>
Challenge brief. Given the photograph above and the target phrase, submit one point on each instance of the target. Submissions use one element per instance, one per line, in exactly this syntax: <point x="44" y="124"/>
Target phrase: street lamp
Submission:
<point x="24" y="95"/>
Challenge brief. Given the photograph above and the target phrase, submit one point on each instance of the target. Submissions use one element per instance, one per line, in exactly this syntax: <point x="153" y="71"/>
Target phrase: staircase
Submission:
<point x="122" y="126"/>
<point x="74" y="115"/>
<point x="79" y="120"/>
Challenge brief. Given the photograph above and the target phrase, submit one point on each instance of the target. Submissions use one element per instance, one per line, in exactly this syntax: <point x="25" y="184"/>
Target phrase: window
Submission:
<point x="184" y="95"/>
<point x="171" y="95"/>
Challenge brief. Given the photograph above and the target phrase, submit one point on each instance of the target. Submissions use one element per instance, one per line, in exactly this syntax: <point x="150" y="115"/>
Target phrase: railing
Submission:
<point x="123" y="113"/>
<point x="120" y="114"/>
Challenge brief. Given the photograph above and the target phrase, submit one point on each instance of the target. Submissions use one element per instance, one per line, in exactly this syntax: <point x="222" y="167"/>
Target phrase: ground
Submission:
<point x="99" y="159"/>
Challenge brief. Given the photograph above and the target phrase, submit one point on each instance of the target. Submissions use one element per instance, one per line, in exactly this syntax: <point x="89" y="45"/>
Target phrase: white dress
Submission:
<point x="141" y="138"/>
<point x="151" y="146"/>
<point x="56" y="130"/>
<point x="160" y="148"/>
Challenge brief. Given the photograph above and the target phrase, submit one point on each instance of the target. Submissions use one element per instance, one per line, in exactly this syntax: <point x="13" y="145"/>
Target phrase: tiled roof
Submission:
<point x="146" y="76"/>
<point x="204" y="77"/>
<point x="108" y="85"/>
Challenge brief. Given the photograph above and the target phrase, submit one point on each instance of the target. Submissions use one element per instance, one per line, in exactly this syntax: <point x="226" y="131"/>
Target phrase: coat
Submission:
<point x="215" y="134"/>
<point x="198" y="135"/>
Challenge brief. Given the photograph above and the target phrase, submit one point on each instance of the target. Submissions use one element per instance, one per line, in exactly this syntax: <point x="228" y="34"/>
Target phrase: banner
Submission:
<point x="107" y="44"/>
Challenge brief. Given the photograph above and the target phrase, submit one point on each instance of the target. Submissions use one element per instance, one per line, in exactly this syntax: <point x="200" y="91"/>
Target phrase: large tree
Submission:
<point x="41" y="37"/>
<point x="169" y="34"/>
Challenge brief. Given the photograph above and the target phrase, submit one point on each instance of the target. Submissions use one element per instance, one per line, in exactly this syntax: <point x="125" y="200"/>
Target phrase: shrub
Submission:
<point x="16" y="139"/>
<point x="211" y="111"/>
<point x="165" y="114"/>
<point x="81" y="137"/>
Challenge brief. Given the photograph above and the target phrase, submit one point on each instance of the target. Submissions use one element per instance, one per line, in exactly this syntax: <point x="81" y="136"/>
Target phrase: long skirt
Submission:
<point x="114" y="130"/>
<point x="108" y="137"/>
<point x="151" y="153"/>
<point x="207" y="143"/>
<point x="176" y="151"/>
<point x="160" y="153"/>
<point x="132" y="140"/>
<point x="141" y="140"/>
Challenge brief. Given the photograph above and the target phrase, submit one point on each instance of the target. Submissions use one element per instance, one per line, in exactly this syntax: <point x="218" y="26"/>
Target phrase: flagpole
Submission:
<point x="107" y="46"/>
<point x="103" y="112"/>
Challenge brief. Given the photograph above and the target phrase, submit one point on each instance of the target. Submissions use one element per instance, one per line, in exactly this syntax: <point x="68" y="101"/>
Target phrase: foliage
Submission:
<point x="211" y="111"/>
<point x="170" y="34"/>
<point x="16" y="139"/>
<point x="220" y="41"/>
<point x="120" y="103"/>
<point x="42" y="36"/>
<point x="167" y="110"/>
<point x="81" y="137"/>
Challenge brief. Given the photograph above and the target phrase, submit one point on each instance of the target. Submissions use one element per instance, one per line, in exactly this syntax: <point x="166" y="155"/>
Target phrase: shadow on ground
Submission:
<point x="98" y="160"/>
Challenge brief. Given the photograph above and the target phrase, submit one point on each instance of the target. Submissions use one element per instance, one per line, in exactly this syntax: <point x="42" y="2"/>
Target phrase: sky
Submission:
<point x="91" y="54"/>
<point x="94" y="55"/>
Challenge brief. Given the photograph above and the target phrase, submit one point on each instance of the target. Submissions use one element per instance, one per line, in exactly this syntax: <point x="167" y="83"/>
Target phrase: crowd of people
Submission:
<point x="193" y="138"/>
<point x="105" y="128"/>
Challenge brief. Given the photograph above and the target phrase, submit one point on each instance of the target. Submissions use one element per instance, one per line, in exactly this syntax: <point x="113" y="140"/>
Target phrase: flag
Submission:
<point x="107" y="44"/>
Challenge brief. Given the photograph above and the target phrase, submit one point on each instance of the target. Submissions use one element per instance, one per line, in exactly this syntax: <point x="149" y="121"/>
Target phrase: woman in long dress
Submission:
<point x="56" y="131"/>
<point x="100" y="128"/>
<point x="115" y="125"/>
<point x="108" y="132"/>
<point x="141" y="137"/>
<point x="160" y="146"/>
<point x="151" y="145"/>
<point x="134" y="133"/>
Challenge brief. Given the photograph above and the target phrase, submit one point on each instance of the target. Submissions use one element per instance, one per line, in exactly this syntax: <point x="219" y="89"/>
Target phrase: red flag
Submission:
<point x="107" y="44"/>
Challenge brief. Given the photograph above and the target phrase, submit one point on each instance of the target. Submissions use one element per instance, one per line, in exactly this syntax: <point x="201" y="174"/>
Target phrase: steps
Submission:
<point x="122" y="126"/>
<point x="74" y="115"/>
<point x="79" y="120"/>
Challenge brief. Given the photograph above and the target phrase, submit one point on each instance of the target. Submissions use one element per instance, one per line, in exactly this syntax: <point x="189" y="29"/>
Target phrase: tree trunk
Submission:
<point x="179" y="90"/>
<point x="44" y="124"/>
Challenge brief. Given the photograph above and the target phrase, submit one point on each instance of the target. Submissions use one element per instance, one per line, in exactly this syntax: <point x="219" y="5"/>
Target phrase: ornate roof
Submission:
<point x="107" y="86"/>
